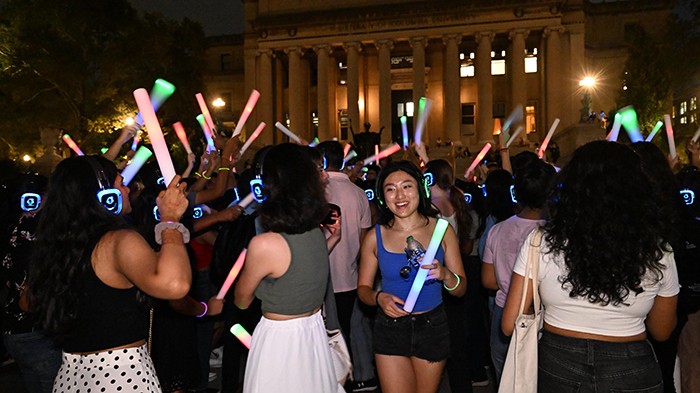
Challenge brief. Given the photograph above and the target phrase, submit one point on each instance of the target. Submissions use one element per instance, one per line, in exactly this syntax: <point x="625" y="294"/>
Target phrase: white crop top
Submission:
<point x="578" y="314"/>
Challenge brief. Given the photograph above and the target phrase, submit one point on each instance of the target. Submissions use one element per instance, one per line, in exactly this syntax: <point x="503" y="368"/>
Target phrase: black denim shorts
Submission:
<point x="425" y="336"/>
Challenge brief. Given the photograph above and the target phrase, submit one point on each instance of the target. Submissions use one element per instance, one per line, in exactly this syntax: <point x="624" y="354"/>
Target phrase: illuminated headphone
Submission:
<point x="423" y="187"/>
<point x="108" y="196"/>
<point x="512" y="193"/>
<point x="197" y="212"/>
<point x="429" y="179"/>
<point x="29" y="201"/>
<point x="688" y="196"/>
<point x="256" y="184"/>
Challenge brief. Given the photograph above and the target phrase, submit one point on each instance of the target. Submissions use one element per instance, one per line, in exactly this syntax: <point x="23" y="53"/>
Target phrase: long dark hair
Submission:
<point x="72" y="220"/>
<point x="425" y="207"/>
<point x="606" y="223"/>
<point x="296" y="201"/>
<point x="443" y="177"/>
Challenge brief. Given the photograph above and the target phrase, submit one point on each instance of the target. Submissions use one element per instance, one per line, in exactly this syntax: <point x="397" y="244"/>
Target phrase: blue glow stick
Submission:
<point x="404" y="131"/>
<point x="438" y="234"/>
<point x="653" y="132"/>
<point x="241" y="334"/>
<point x="142" y="155"/>
<point x="314" y="142"/>
<point x="629" y="120"/>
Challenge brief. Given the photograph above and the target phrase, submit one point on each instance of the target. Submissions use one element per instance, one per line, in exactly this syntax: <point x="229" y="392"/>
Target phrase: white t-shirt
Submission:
<point x="578" y="314"/>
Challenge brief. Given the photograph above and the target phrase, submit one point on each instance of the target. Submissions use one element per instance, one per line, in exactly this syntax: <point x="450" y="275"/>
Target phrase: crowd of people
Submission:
<point x="111" y="287"/>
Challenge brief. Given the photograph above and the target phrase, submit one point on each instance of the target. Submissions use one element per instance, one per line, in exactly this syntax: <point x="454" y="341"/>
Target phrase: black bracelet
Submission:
<point x="376" y="297"/>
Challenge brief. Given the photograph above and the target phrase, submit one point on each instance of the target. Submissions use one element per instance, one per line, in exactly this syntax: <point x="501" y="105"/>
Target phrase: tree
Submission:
<point x="73" y="65"/>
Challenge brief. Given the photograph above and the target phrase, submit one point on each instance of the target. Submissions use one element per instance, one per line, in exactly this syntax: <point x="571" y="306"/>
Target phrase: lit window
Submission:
<point x="471" y="55"/>
<point x="409" y="109"/>
<point x="693" y="103"/>
<point x="466" y="70"/>
<point x="400" y="109"/>
<point x="683" y="108"/>
<point x="530" y="124"/>
<point x="461" y="56"/>
<point x="693" y="118"/>
<point x="498" y="67"/>
<point x="531" y="65"/>
<point x="684" y="120"/>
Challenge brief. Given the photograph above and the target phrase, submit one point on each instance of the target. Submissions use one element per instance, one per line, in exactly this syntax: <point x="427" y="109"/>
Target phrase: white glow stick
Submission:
<point x="207" y="132"/>
<point x="142" y="155"/>
<point x="696" y="136"/>
<point x="428" y="259"/>
<point x="424" y="107"/>
<point x="351" y="154"/>
<point x="249" y="106"/>
<point x="654" y="131"/>
<point x="404" y="131"/>
<point x="232" y="275"/>
<point x="155" y="134"/>
<point x="286" y="131"/>
<point x="246" y="200"/>
<point x="477" y="159"/>
<point x="543" y="146"/>
<point x="514" y="136"/>
<point x="631" y="124"/>
<point x="420" y="149"/>
<point x="241" y="334"/>
<point x="314" y="142"/>
<point x="669" y="135"/>
<point x="182" y="136"/>
<point x="205" y="111"/>
<point x="515" y="116"/>
<point x="250" y="140"/>
<point x="615" y="131"/>
<point x="73" y="146"/>
<point x="383" y="154"/>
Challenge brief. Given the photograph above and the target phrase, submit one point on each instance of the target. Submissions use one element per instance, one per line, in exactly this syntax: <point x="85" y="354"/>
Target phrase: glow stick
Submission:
<point x="161" y="91"/>
<point x="104" y="150"/>
<point x="249" y="106"/>
<point x="246" y="200"/>
<point x="142" y="155"/>
<point x="515" y="116"/>
<point x="629" y="120"/>
<point x="241" y="334"/>
<point x="205" y="111"/>
<point x="376" y="153"/>
<point x="137" y="139"/>
<point x="424" y="106"/>
<point x="615" y="131"/>
<point x="696" y="136"/>
<point x="351" y="154"/>
<point x="182" y="136"/>
<point x="669" y="135"/>
<point x="656" y="129"/>
<point x="438" y="234"/>
<point x="250" y="140"/>
<point x="346" y="150"/>
<point x="383" y="154"/>
<point x="478" y="159"/>
<point x="404" y="131"/>
<point x="543" y="146"/>
<point x="286" y="131"/>
<point x="155" y="134"/>
<point x="514" y="136"/>
<point x="73" y="146"/>
<point x="207" y="132"/>
<point x="314" y="142"/>
<point x="232" y="275"/>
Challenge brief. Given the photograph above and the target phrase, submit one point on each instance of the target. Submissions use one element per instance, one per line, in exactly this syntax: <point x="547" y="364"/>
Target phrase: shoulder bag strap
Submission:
<point x="531" y="270"/>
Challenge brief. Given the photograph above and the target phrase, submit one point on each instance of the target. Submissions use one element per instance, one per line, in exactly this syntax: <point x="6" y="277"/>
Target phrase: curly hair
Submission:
<point x="72" y="220"/>
<point x="605" y="224"/>
<point x="425" y="207"/>
<point x="295" y="196"/>
<point x="443" y="177"/>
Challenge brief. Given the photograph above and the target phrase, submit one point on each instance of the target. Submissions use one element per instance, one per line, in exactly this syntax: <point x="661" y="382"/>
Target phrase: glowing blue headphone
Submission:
<point x="467" y="198"/>
<point x="370" y="194"/>
<point x="109" y="197"/>
<point x="256" y="186"/>
<point x="512" y="194"/>
<point x="197" y="212"/>
<point x="688" y="196"/>
<point x="429" y="179"/>
<point x="30" y="201"/>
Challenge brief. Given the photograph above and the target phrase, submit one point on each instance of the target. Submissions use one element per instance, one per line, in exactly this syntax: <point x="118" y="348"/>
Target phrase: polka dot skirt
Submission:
<point x="122" y="370"/>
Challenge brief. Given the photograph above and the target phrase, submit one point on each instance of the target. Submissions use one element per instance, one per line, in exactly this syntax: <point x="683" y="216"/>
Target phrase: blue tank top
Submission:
<point x="390" y="264"/>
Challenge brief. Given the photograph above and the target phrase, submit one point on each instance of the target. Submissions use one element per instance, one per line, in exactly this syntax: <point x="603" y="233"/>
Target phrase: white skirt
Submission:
<point x="120" y="370"/>
<point x="290" y="356"/>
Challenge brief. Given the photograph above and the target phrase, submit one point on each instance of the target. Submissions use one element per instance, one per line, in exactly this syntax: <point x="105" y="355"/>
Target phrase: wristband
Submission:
<point x="198" y="174"/>
<point x="161" y="226"/>
<point x="205" y="176"/>
<point x="456" y="285"/>
<point x="376" y="297"/>
<point x="224" y="169"/>
<point x="206" y="308"/>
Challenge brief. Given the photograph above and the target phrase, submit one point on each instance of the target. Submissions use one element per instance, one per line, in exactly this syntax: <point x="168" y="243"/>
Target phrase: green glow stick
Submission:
<point x="241" y="334"/>
<point x="435" y="240"/>
<point x="629" y="121"/>
<point x="161" y="91"/>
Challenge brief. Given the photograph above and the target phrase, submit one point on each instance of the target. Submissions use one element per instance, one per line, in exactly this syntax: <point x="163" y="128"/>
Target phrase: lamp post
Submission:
<point x="587" y="84"/>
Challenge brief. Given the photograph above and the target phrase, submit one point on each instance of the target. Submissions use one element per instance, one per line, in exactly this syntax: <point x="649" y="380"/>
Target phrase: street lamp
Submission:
<point x="587" y="84"/>
<point x="219" y="103"/>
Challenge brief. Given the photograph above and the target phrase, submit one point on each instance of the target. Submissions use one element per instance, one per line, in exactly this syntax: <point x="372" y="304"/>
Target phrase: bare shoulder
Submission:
<point x="268" y="242"/>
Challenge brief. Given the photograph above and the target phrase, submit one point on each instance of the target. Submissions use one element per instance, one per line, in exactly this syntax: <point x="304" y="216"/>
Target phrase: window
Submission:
<point x="468" y="115"/>
<point x="684" y="120"/>
<point x="683" y="108"/>
<point x="405" y="109"/>
<point x="498" y="67"/>
<point x="693" y="103"/>
<point x="466" y="70"/>
<point x="530" y="119"/>
<point x="226" y="62"/>
<point x="342" y="73"/>
<point x="530" y="64"/>
<point x="344" y="123"/>
<point x="693" y="118"/>
<point x="499" y="110"/>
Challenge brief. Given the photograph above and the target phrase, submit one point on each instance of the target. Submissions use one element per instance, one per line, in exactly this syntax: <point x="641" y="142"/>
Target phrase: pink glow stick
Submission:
<point x="247" y="200"/>
<point x="286" y="131"/>
<point x="205" y="111"/>
<point x="155" y="134"/>
<point x="477" y="159"/>
<point x="383" y="154"/>
<point x="182" y="136"/>
<point x="207" y="132"/>
<point x="241" y="334"/>
<point x="346" y="149"/>
<point x="73" y="146"/>
<point x="250" y="140"/>
<point x="232" y="275"/>
<point x="696" y="136"/>
<point x="543" y="146"/>
<point x="669" y="135"/>
<point x="249" y="106"/>
<point x="376" y="154"/>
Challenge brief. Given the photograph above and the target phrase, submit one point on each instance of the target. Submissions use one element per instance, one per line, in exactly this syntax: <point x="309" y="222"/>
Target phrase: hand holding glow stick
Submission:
<point x="404" y="131"/>
<point x="629" y="120"/>
<point x="654" y="131"/>
<point x="182" y="136"/>
<point x="615" y="131"/>
<point x="142" y="155"/>
<point x="514" y="136"/>
<point x="205" y="111"/>
<point x="424" y="107"/>
<point x="73" y="146"/>
<point x="477" y="160"/>
<point x="137" y="139"/>
<point x="669" y="135"/>
<point x="249" y="106"/>
<point x="241" y="334"/>
<point x="250" y="140"/>
<point x="232" y="275"/>
<point x="543" y="146"/>
<point x="382" y="154"/>
<point x="428" y="258"/>
<point x="207" y="132"/>
<point x="247" y="200"/>
<point x="286" y="131"/>
<point x="155" y="134"/>
<point x="161" y="91"/>
<point x="420" y="149"/>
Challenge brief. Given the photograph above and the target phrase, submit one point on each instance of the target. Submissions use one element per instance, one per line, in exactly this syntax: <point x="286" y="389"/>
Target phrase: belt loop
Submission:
<point x="590" y="352"/>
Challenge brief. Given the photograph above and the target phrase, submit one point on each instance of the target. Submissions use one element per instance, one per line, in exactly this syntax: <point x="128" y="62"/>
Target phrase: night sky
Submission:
<point x="217" y="17"/>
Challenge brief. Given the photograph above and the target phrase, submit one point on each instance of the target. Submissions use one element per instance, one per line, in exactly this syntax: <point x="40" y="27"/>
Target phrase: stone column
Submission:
<point x="553" y="80"/>
<point x="266" y="101"/>
<point x="353" y="84"/>
<point x="384" y="64"/>
<point x="322" y="90"/>
<point x="452" y="88"/>
<point x="518" y="83"/>
<point x="418" y="44"/>
<point x="279" y="98"/>
<point x="484" y="101"/>
<point x="296" y="107"/>
<point x="576" y="72"/>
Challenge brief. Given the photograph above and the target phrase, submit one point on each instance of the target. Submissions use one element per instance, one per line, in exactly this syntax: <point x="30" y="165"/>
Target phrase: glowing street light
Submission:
<point x="219" y="103"/>
<point x="588" y="84"/>
<point x="26" y="158"/>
